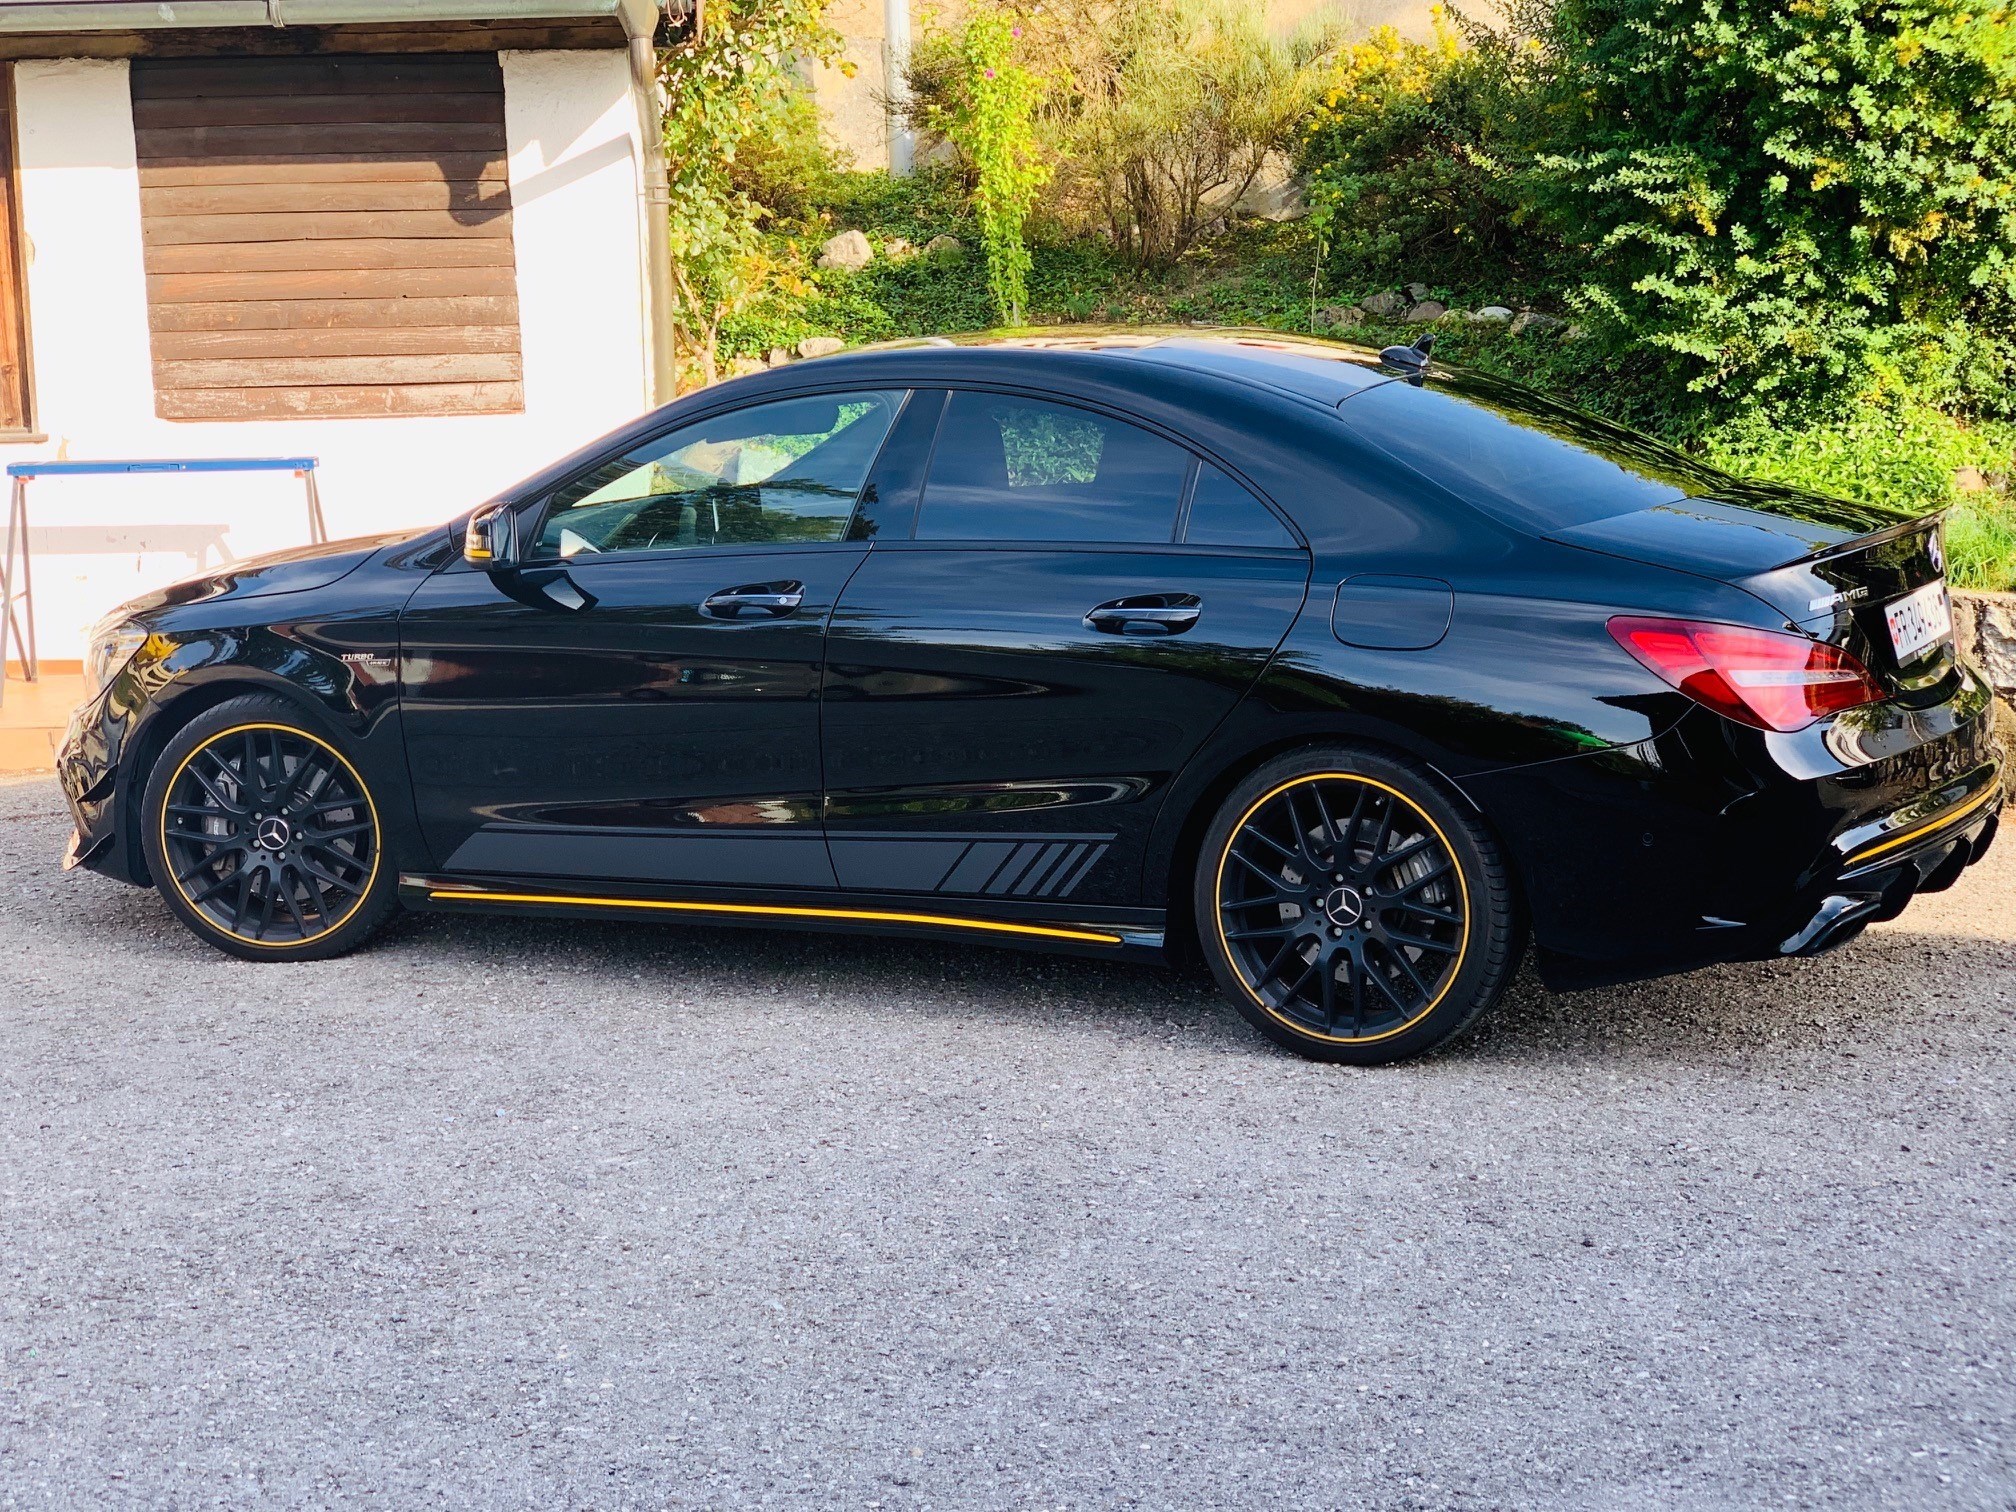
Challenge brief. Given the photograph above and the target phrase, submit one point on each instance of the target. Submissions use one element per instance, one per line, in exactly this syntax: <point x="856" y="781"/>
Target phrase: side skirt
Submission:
<point x="1135" y="934"/>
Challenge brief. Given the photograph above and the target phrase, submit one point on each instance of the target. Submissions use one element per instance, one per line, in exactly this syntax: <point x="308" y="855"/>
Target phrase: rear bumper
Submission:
<point x="1879" y="881"/>
<point x="1719" y="843"/>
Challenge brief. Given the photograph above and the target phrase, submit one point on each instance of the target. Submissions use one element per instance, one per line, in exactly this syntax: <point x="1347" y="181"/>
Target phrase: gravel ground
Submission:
<point x="507" y="1213"/>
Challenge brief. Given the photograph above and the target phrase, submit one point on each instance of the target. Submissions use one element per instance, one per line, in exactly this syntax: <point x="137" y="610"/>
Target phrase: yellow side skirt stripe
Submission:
<point x="1950" y="817"/>
<point x="771" y="910"/>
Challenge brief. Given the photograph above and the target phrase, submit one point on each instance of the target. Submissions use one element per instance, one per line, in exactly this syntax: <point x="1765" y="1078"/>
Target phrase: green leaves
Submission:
<point x="1779" y="195"/>
<point x="1401" y="155"/>
<point x="1172" y="112"/>
<point x="992" y="120"/>
<point x="732" y="84"/>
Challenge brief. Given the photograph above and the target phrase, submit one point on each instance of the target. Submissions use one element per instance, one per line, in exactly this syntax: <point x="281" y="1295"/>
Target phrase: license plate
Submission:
<point x="1919" y="621"/>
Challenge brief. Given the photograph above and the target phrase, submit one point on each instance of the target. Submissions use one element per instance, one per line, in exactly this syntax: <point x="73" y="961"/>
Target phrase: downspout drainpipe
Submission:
<point x="896" y="85"/>
<point x="658" y="300"/>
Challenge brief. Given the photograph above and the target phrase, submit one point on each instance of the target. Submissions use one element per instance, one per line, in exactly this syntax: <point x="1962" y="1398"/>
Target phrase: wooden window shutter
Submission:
<point x="327" y="237"/>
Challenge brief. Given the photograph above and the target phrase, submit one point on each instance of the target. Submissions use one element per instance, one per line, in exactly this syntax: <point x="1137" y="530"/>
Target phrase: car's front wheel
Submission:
<point x="262" y="836"/>
<point x="1352" y="908"/>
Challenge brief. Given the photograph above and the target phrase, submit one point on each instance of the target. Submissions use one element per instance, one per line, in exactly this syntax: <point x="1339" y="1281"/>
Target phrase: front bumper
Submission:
<point x="92" y="771"/>
<point x="1717" y="843"/>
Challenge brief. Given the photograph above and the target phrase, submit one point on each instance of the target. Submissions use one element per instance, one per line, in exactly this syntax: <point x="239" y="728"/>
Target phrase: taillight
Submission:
<point x="1764" y="678"/>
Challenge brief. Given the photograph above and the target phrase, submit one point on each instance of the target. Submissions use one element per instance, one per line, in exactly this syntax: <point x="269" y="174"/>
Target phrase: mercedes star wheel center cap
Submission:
<point x="273" y="833"/>
<point x="1344" y="906"/>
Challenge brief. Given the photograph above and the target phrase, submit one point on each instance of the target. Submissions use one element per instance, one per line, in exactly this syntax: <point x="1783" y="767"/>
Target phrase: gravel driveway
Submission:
<point x="512" y="1213"/>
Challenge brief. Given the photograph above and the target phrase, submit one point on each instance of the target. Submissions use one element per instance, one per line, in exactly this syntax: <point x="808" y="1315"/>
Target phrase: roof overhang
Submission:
<point x="638" y="17"/>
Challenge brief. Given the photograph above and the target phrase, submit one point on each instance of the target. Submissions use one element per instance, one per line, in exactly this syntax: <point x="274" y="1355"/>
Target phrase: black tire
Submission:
<point x="262" y="836"/>
<point x="1365" y="936"/>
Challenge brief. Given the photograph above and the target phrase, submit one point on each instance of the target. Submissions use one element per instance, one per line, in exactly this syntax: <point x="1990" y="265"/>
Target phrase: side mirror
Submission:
<point x="491" y="539"/>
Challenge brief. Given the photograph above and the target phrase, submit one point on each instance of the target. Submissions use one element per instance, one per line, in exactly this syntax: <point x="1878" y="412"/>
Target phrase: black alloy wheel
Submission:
<point x="1351" y="907"/>
<point x="263" y="837"/>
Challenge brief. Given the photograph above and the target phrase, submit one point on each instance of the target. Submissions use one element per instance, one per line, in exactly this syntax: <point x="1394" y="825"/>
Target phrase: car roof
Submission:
<point x="1310" y="368"/>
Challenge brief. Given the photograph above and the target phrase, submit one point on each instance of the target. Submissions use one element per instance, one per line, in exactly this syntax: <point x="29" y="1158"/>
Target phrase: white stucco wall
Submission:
<point x="571" y="131"/>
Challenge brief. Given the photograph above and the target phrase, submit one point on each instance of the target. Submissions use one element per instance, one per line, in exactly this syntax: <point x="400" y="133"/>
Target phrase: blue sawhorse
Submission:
<point x="17" y="579"/>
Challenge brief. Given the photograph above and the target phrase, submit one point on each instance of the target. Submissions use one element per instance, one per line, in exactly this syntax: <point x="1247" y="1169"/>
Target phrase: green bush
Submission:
<point x="788" y="167"/>
<point x="1402" y="162"/>
<point x="1790" y="201"/>
<point x="1171" y="117"/>
<point x="731" y="84"/>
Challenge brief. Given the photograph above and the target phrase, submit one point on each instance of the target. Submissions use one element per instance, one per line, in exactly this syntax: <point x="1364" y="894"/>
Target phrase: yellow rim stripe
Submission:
<point x="1979" y="800"/>
<point x="377" y="846"/>
<point x="774" y="910"/>
<point x="1462" y="886"/>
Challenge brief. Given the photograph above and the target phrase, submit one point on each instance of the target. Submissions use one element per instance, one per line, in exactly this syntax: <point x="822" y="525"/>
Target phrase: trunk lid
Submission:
<point x="1832" y="568"/>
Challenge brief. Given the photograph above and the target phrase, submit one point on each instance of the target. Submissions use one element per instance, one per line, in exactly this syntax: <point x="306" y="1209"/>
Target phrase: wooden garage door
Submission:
<point x="327" y="236"/>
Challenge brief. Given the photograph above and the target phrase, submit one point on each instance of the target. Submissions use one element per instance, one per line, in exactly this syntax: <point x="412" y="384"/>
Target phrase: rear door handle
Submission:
<point x="754" y="601"/>
<point x="1147" y="614"/>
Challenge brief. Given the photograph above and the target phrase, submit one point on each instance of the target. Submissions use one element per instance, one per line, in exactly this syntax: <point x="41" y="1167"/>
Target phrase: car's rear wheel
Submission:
<point x="262" y="836"/>
<point x="1353" y="909"/>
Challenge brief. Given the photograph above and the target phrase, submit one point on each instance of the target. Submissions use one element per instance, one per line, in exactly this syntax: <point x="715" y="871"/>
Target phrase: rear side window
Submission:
<point x="1510" y="452"/>
<point x="1223" y="513"/>
<point x="1010" y="469"/>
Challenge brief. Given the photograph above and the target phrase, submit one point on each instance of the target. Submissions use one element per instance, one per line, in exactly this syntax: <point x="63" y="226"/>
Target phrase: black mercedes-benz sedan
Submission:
<point x="1348" y="672"/>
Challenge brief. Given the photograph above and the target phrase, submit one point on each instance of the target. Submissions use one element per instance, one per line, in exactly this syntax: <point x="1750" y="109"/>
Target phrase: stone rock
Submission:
<point x="848" y="250"/>
<point x="1283" y="204"/>
<point x="1533" y="320"/>
<point x="778" y="357"/>
<point x="1492" y="312"/>
<point x="821" y="346"/>
<point x="944" y="246"/>
<point x="1273" y="202"/>
<point x="1984" y="624"/>
<point x="1332" y="317"/>
<point x="1385" y="305"/>
<point x="1275" y="193"/>
<point x="1416" y="291"/>
<point x="1427" y="311"/>
<point x="1971" y="480"/>
<point x="1457" y="313"/>
<point x="897" y="246"/>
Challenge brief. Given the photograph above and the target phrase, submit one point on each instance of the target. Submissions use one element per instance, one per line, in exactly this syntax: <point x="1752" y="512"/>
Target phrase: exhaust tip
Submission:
<point x="1832" y="921"/>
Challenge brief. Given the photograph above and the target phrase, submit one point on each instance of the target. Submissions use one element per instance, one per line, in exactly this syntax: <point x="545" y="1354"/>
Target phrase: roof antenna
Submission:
<point x="1411" y="360"/>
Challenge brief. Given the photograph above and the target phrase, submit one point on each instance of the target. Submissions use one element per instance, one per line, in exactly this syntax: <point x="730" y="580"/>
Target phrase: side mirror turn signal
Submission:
<point x="490" y="540"/>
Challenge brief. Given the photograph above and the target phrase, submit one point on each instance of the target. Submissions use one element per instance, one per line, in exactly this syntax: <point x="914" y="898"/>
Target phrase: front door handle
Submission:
<point x="1147" y="614"/>
<point x="754" y="601"/>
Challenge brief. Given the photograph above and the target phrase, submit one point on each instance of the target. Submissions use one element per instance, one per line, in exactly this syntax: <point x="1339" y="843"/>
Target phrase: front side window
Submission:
<point x="787" y="472"/>
<point x="1010" y="469"/>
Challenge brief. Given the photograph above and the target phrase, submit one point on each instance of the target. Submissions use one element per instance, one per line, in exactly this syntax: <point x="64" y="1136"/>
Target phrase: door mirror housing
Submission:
<point x="490" y="540"/>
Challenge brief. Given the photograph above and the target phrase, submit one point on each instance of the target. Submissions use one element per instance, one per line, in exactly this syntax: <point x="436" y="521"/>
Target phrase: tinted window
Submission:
<point x="1522" y="456"/>
<point x="788" y="471"/>
<point x="1009" y="469"/>
<point x="1223" y="513"/>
